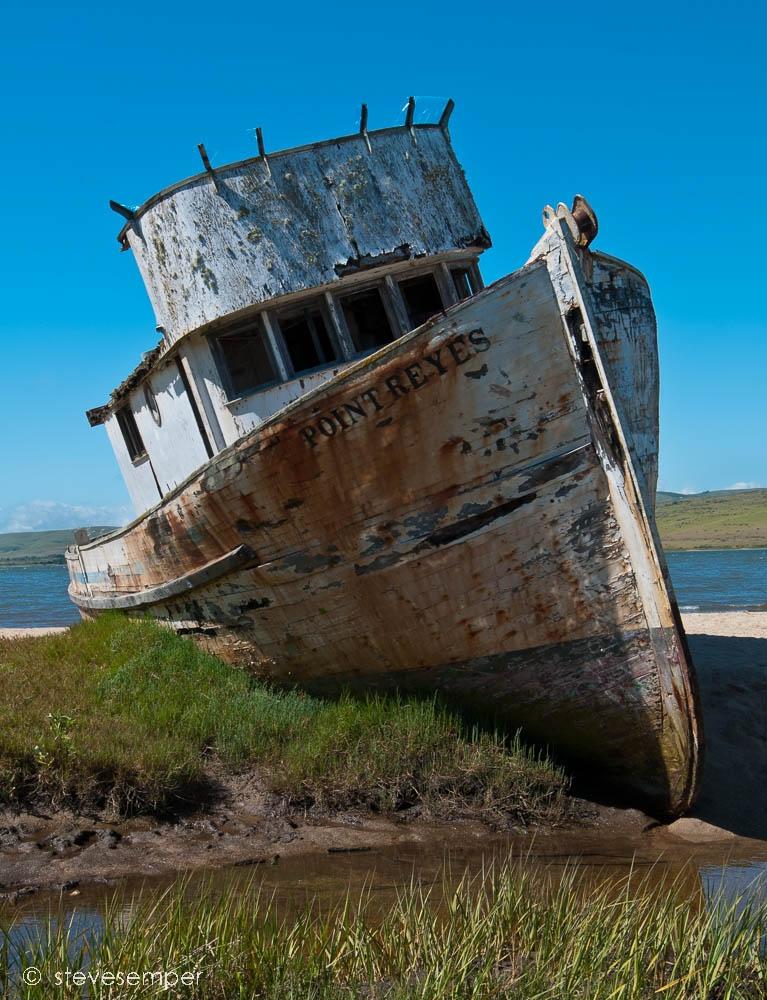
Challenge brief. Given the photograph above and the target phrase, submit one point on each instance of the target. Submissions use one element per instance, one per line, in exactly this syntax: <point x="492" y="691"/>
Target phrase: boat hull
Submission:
<point x="460" y="512"/>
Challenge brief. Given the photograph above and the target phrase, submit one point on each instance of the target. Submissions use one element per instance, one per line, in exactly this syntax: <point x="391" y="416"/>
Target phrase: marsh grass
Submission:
<point x="128" y="716"/>
<point x="512" y="933"/>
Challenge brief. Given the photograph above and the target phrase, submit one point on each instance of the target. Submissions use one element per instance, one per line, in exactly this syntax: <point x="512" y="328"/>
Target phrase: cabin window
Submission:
<point x="422" y="299"/>
<point x="246" y="361"/>
<point x="463" y="279"/>
<point x="366" y="318"/>
<point x="130" y="432"/>
<point x="307" y="340"/>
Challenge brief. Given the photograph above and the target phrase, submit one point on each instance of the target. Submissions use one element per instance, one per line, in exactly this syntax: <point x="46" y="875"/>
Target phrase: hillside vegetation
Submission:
<point x="39" y="548"/>
<point x="724" y="519"/>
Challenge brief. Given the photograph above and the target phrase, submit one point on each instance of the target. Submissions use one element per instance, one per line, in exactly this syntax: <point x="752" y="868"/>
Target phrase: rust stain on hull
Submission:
<point x="462" y="511"/>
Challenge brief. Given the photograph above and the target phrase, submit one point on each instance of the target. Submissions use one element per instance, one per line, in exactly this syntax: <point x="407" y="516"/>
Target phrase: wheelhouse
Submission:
<point x="271" y="276"/>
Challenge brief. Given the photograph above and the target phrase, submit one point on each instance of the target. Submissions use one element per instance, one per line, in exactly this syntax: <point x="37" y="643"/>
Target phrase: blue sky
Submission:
<point x="654" y="112"/>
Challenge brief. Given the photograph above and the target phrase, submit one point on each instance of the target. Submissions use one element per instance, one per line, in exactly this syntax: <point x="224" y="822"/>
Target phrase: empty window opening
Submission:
<point x="422" y="298"/>
<point x="366" y="318"/>
<point x="130" y="432"/>
<point x="307" y="340"/>
<point x="247" y="361"/>
<point x="463" y="279"/>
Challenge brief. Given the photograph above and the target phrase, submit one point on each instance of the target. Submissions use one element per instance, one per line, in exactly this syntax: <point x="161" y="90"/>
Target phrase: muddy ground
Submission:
<point x="249" y="827"/>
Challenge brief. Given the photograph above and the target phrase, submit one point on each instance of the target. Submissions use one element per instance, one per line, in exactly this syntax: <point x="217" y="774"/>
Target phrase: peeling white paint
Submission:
<point x="208" y="250"/>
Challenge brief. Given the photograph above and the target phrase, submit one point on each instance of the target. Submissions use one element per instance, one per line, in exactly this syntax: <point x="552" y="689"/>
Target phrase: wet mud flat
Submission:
<point x="249" y="828"/>
<point x="86" y="869"/>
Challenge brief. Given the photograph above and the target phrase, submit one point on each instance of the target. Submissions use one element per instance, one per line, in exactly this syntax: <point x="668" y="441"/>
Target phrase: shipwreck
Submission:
<point x="355" y="467"/>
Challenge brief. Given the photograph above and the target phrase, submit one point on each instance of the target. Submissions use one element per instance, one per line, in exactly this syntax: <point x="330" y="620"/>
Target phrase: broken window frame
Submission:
<point x="131" y="435"/>
<point x="469" y="271"/>
<point x="304" y="311"/>
<point x="388" y="308"/>
<point x="419" y="275"/>
<point x="257" y="328"/>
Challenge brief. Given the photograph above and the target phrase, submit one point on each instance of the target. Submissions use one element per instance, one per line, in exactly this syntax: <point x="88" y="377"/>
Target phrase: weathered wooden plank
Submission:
<point x="192" y="580"/>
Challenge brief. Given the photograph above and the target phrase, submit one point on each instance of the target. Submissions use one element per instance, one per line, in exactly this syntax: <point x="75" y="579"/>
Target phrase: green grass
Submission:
<point x="35" y="548"/>
<point x="515" y="934"/>
<point x="728" y="519"/>
<point x="130" y="717"/>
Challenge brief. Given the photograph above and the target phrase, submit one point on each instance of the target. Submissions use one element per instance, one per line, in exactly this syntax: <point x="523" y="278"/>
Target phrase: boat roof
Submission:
<point x="238" y="165"/>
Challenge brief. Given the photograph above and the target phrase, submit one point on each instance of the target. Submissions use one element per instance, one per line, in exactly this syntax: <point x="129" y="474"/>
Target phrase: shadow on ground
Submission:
<point x="732" y="673"/>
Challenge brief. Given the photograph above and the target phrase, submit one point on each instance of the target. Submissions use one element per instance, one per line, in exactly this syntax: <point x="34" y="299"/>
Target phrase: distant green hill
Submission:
<point x="722" y="519"/>
<point x="39" y="548"/>
<point x="663" y="497"/>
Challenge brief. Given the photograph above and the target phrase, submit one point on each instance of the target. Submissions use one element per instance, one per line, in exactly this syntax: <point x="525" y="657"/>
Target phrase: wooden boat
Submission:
<point x="435" y="487"/>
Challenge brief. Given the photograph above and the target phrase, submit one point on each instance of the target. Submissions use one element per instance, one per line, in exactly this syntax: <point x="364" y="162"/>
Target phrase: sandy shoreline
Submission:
<point x="744" y="624"/>
<point x="27" y="633"/>
<point x="730" y="655"/>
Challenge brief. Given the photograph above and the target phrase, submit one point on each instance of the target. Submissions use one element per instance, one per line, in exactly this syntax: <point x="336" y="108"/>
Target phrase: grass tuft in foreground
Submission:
<point x="129" y="716"/>
<point x="516" y="934"/>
